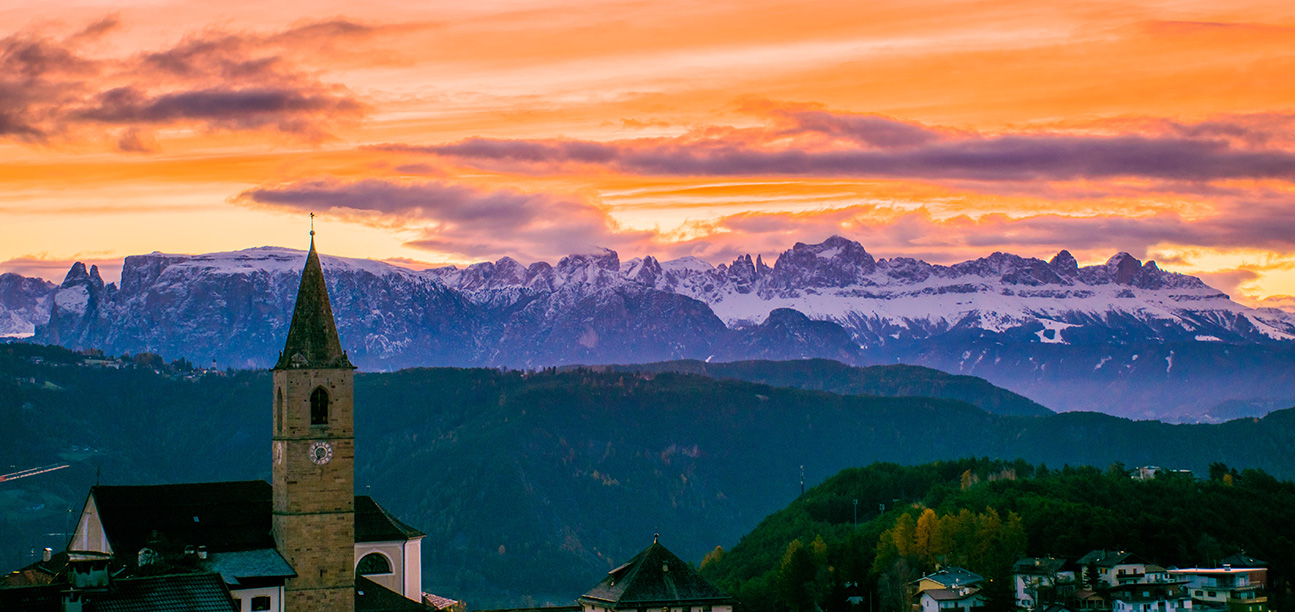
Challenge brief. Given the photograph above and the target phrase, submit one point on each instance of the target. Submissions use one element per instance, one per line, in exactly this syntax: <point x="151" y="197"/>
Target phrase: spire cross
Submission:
<point x="312" y="225"/>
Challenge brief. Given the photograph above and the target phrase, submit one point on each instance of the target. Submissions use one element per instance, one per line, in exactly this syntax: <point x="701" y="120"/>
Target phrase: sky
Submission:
<point x="428" y="134"/>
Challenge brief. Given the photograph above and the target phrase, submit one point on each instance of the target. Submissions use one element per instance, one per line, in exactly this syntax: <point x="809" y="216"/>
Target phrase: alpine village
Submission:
<point x="965" y="535"/>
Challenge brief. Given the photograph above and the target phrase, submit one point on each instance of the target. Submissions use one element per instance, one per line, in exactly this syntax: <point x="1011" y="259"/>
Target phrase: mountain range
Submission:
<point x="1124" y="332"/>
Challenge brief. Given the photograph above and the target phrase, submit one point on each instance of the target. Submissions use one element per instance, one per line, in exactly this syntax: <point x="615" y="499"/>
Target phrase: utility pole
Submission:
<point x="802" y="480"/>
<point x="856" y="513"/>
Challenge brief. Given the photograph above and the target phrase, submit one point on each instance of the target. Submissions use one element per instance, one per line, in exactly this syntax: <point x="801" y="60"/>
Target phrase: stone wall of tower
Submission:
<point x="314" y="504"/>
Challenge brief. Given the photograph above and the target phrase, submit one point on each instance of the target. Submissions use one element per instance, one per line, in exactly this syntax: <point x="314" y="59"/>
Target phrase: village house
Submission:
<point x="1041" y="581"/>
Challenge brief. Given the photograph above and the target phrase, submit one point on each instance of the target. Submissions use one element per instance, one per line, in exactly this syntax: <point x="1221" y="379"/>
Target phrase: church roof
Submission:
<point x="374" y="524"/>
<point x="373" y="597"/>
<point x="223" y="516"/>
<point x="654" y="577"/>
<point x="312" y="336"/>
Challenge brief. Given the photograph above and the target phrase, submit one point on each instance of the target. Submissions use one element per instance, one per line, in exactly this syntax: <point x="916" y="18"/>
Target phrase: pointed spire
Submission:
<point x="312" y="336"/>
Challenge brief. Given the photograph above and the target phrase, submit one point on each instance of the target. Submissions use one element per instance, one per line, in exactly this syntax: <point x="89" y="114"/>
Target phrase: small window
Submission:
<point x="278" y="405"/>
<point x="373" y="563"/>
<point x="319" y="407"/>
<point x="260" y="602"/>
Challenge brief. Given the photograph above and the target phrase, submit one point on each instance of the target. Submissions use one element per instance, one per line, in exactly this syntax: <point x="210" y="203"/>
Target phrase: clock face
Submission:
<point x="321" y="452"/>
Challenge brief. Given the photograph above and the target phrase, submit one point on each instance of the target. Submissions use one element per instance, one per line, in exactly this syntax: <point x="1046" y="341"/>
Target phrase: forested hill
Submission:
<point x="837" y="377"/>
<point x="983" y="514"/>
<point x="534" y="485"/>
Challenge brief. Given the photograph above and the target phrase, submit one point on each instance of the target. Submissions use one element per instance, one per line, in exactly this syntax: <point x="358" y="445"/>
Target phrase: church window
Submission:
<point x="319" y="407"/>
<point x="260" y="602"/>
<point x="373" y="563"/>
<point x="279" y="410"/>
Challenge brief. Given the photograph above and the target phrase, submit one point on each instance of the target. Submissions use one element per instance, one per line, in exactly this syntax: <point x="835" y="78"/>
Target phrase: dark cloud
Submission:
<point x="246" y="108"/>
<point x="51" y="89"/>
<point x="887" y="148"/>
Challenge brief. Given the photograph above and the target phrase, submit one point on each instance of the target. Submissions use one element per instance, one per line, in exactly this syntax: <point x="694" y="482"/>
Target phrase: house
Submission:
<point x="1088" y="600"/>
<point x="1111" y="568"/>
<point x="303" y="542"/>
<point x="655" y="580"/>
<point x="1042" y="580"/>
<point x="1230" y="589"/>
<point x="962" y="599"/>
<point x="951" y="588"/>
<point x="1149" y="597"/>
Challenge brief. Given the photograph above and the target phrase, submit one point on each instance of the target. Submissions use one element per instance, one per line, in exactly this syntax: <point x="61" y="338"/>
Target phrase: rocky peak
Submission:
<point x="835" y="262"/>
<point x="1064" y="264"/>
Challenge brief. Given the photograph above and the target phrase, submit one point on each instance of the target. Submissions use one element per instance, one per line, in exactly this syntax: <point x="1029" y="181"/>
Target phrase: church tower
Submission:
<point x="314" y="454"/>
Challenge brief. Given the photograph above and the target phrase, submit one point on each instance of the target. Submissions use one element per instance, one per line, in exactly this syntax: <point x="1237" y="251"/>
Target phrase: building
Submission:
<point x="655" y="580"/>
<point x="1150" y="597"/>
<point x="1042" y="580"/>
<point x="1111" y="568"/>
<point x="302" y="543"/>
<point x="1230" y="589"/>
<point x="962" y="599"/>
<point x="952" y="577"/>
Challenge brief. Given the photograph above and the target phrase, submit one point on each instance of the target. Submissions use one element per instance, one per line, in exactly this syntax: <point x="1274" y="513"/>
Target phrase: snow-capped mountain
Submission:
<point x="989" y="317"/>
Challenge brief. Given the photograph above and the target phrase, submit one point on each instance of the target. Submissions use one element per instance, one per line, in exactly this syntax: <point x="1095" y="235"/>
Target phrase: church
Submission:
<point x="302" y="543"/>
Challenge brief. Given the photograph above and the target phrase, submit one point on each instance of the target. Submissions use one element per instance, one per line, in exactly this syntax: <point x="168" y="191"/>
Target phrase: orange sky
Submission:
<point x="456" y="134"/>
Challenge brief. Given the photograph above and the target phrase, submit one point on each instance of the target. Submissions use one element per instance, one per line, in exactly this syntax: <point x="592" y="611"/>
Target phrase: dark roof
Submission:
<point x="1107" y="558"/>
<point x="538" y="609"/>
<point x="373" y="597"/>
<point x="312" y="336"/>
<point x="953" y="576"/>
<point x="1038" y="566"/>
<point x="43" y="598"/>
<point x="178" y="593"/>
<point x="174" y="593"/>
<point x="654" y="576"/>
<point x="230" y="517"/>
<point x="223" y="516"/>
<point x="1241" y="560"/>
<point x="244" y="564"/>
<point x="374" y="524"/>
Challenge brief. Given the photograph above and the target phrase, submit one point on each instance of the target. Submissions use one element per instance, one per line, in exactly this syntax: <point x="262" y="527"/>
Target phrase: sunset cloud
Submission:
<point x="458" y="219"/>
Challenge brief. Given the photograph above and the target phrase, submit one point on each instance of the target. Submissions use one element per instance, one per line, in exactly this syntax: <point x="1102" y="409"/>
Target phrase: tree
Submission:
<point x="712" y="557"/>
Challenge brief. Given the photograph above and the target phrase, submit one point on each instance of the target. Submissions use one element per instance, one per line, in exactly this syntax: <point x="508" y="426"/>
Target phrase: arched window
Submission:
<point x="373" y="563"/>
<point x="319" y="407"/>
<point x="278" y="411"/>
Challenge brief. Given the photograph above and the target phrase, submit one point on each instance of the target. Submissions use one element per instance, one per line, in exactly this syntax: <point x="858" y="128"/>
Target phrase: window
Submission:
<point x="373" y="563"/>
<point x="260" y="602"/>
<point x="319" y="407"/>
<point x="279" y="410"/>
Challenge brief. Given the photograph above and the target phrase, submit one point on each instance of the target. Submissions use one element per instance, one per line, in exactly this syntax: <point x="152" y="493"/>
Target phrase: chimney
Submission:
<point x="48" y="553"/>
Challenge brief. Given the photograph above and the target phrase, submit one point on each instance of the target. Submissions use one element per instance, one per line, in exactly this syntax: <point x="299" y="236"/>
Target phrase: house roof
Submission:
<point x="312" y="336"/>
<point x="654" y="576"/>
<point x="953" y="576"/>
<point x="1038" y="565"/>
<point x="223" y="516"/>
<point x="374" y="524"/>
<point x="1241" y="560"/>
<point x="204" y="592"/>
<point x="178" y="593"/>
<point x="243" y="564"/>
<point x="373" y="597"/>
<point x="1107" y="558"/>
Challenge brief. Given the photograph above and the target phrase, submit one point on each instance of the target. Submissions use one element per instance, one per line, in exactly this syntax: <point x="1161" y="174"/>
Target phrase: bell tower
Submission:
<point x="314" y="454"/>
